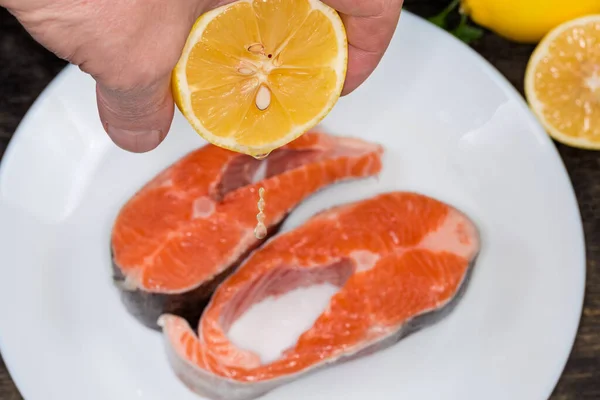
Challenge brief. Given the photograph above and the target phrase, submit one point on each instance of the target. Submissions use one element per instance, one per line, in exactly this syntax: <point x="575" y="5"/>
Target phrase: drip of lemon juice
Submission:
<point x="261" y="156"/>
<point x="260" y="232"/>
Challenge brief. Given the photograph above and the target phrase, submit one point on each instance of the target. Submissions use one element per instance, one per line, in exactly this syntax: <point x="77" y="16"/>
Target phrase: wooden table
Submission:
<point x="26" y="68"/>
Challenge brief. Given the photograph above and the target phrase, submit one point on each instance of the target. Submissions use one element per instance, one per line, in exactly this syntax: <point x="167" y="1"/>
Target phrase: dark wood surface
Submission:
<point x="26" y="68"/>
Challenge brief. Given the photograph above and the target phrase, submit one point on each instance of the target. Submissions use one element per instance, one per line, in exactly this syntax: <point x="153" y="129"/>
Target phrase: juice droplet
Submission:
<point x="261" y="156"/>
<point x="260" y="232"/>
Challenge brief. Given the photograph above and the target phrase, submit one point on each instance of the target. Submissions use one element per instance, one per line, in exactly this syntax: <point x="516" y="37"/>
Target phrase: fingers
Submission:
<point x="359" y="8"/>
<point x="370" y="26"/>
<point x="136" y="120"/>
<point x="133" y="92"/>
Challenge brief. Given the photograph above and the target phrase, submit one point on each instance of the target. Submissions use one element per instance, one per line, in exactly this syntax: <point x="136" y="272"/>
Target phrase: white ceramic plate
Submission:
<point x="453" y="128"/>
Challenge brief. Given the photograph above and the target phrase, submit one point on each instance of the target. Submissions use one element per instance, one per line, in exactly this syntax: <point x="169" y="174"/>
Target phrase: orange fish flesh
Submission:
<point x="401" y="261"/>
<point x="177" y="238"/>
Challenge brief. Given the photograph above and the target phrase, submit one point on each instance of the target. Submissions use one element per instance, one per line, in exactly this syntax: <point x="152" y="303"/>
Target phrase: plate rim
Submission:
<point x="492" y="73"/>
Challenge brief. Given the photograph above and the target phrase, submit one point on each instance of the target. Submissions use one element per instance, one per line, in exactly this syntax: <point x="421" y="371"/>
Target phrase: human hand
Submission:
<point x="130" y="48"/>
<point x="370" y="25"/>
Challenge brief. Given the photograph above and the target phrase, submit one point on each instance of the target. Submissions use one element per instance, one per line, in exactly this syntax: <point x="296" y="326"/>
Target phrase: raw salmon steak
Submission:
<point x="400" y="260"/>
<point x="178" y="237"/>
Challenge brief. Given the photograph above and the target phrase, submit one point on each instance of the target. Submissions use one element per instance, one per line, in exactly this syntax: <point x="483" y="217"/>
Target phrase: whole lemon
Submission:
<point x="526" y="21"/>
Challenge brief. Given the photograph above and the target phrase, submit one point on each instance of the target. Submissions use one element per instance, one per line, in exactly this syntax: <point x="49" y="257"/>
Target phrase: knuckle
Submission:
<point x="379" y="7"/>
<point x="131" y="103"/>
<point x="383" y="7"/>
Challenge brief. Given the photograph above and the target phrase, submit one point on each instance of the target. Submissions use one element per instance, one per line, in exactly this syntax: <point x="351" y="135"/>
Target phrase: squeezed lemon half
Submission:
<point x="256" y="74"/>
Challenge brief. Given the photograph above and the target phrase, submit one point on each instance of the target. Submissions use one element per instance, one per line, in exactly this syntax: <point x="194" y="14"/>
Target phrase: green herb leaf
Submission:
<point x="466" y="32"/>
<point x="440" y="19"/>
<point x="463" y="31"/>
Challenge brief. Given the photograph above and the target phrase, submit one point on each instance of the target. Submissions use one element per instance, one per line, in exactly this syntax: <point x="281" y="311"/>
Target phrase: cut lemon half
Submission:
<point x="255" y="75"/>
<point x="562" y="82"/>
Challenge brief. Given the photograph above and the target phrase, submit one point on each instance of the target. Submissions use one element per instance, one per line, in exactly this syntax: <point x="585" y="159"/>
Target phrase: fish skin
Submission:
<point x="147" y="307"/>
<point x="221" y="387"/>
<point x="223" y="181"/>
<point x="215" y="387"/>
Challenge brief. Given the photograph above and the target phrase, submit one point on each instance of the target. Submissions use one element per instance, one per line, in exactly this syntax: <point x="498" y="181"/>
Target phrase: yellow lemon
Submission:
<point x="256" y="74"/>
<point x="526" y="21"/>
<point x="562" y="82"/>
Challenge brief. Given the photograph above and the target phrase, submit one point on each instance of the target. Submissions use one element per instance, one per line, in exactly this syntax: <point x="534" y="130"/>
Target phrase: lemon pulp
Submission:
<point x="254" y="75"/>
<point x="562" y="82"/>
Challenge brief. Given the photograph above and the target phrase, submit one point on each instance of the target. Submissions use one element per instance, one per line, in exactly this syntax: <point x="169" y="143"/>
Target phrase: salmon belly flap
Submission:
<point x="188" y="228"/>
<point x="400" y="261"/>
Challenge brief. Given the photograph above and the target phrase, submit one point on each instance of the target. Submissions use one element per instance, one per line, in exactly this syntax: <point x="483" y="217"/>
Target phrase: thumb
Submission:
<point x="136" y="120"/>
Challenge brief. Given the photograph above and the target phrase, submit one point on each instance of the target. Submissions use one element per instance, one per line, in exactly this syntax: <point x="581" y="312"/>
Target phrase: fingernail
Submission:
<point x="135" y="141"/>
